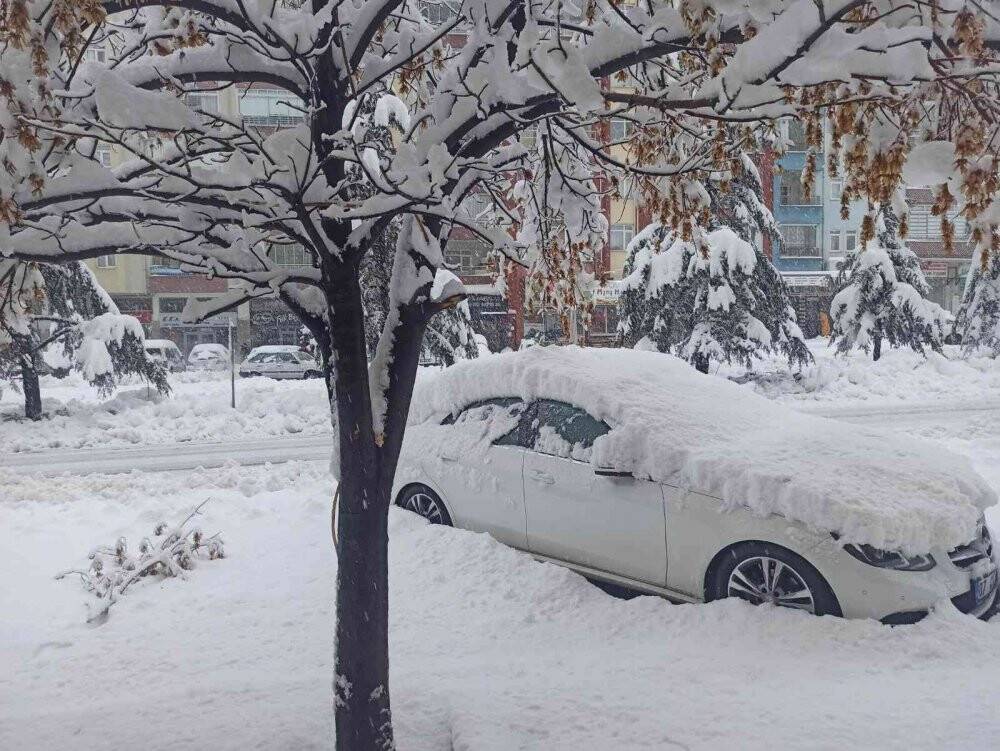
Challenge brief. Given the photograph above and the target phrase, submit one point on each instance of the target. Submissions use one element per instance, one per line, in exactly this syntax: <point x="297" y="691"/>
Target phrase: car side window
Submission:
<point x="561" y="429"/>
<point x="497" y="419"/>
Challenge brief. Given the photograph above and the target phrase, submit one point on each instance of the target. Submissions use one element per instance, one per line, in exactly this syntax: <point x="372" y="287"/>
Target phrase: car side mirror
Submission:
<point x="608" y="472"/>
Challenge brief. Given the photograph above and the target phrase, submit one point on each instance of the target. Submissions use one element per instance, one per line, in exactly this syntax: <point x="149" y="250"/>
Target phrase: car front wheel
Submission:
<point x="765" y="573"/>
<point x="423" y="501"/>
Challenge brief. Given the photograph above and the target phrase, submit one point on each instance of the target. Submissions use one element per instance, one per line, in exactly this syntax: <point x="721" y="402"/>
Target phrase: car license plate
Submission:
<point x="984" y="586"/>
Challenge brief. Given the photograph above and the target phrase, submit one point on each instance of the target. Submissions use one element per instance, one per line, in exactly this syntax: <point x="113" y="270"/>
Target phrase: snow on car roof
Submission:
<point x="674" y="425"/>
<point x="277" y="348"/>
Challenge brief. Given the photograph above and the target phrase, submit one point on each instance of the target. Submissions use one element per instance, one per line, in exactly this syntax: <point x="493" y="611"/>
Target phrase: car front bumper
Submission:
<point x="898" y="597"/>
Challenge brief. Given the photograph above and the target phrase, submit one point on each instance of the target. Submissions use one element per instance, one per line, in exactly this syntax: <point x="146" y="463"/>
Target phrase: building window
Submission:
<point x="107" y="262"/>
<point x="95" y="53"/>
<point x="850" y="241"/>
<point x="799" y="241"/>
<point x="271" y="108"/>
<point x="834" y="242"/>
<point x="923" y="225"/>
<point x="290" y="255"/>
<point x="103" y="154"/>
<point x="621" y="129"/>
<point x="171" y="304"/>
<point x="793" y="193"/>
<point x="797" y="135"/>
<point x="206" y="101"/>
<point x="467" y="255"/>
<point x="437" y="13"/>
<point x="836" y="189"/>
<point x="621" y="235"/>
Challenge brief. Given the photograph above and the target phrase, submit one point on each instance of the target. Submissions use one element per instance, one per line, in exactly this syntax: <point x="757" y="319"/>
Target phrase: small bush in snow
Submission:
<point x="171" y="551"/>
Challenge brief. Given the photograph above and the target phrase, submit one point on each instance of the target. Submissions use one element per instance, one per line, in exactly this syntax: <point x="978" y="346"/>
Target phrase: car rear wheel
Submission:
<point x="423" y="501"/>
<point x="765" y="573"/>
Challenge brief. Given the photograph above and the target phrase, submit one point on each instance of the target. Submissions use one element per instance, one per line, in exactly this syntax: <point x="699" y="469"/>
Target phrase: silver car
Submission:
<point x="281" y="362"/>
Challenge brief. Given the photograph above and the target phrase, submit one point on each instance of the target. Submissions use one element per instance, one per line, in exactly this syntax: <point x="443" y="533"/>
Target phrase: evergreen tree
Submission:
<point x="978" y="320"/>
<point x="882" y="296"/>
<point x="449" y="336"/>
<point x="60" y="313"/>
<point x="715" y="297"/>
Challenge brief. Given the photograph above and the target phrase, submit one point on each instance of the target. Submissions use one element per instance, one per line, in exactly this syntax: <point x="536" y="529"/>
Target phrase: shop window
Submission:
<point x="621" y="235"/>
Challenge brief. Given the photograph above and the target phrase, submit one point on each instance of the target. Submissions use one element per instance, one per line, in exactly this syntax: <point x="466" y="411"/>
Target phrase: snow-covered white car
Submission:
<point x="165" y="352"/>
<point x="632" y="468"/>
<point x="208" y="356"/>
<point x="280" y="361"/>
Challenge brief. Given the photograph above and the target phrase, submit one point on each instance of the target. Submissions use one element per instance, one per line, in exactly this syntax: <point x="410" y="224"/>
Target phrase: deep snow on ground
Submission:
<point x="900" y="377"/>
<point x="197" y="409"/>
<point x="490" y="650"/>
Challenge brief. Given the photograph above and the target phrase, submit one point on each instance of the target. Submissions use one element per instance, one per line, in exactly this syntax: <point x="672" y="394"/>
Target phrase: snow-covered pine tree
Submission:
<point x="882" y="296"/>
<point x="60" y="315"/>
<point x="978" y="321"/>
<point x="449" y="336"/>
<point x="715" y="297"/>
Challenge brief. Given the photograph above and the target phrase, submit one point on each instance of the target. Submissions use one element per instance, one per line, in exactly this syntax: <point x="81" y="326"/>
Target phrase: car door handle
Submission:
<point x="543" y="477"/>
<point x="446" y="458"/>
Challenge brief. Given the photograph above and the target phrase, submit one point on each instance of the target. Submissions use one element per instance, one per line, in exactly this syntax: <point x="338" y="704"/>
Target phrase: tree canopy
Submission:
<point x="902" y="83"/>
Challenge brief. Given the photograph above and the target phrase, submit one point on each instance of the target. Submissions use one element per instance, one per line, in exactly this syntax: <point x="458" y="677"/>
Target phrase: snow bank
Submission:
<point x="900" y="377"/>
<point x="674" y="425"/>
<point x="196" y="410"/>
<point x="489" y="649"/>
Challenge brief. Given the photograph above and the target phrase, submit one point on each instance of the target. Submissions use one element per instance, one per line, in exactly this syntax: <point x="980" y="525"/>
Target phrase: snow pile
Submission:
<point x="489" y="649"/>
<point x="673" y="425"/>
<point x="900" y="377"/>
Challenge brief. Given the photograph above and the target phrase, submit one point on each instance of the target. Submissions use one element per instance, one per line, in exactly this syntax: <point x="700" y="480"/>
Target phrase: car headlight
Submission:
<point x="891" y="559"/>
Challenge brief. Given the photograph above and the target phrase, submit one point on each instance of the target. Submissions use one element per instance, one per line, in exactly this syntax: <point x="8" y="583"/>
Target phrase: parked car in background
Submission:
<point x="165" y="351"/>
<point x="280" y="361"/>
<point x="632" y="468"/>
<point x="208" y="357"/>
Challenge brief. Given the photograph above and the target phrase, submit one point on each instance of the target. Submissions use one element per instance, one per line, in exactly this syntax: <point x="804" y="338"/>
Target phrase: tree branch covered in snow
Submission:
<point x="171" y="552"/>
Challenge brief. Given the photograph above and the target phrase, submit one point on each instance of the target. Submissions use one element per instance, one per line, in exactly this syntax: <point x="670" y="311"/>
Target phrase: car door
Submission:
<point x="479" y="469"/>
<point x="611" y="523"/>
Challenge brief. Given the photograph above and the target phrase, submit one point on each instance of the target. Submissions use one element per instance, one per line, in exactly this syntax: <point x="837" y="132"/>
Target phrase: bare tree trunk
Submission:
<point x="30" y="385"/>
<point x="877" y="348"/>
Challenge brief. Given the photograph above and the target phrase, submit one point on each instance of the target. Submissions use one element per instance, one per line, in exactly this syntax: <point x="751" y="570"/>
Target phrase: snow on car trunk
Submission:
<point x="674" y="425"/>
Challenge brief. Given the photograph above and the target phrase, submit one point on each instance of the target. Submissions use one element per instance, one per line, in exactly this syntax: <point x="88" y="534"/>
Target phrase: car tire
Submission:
<point x="251" y="374"/>
<point x="423" y="501"/>
<point x="761" y="572"/>
<point x="311" y="374"/>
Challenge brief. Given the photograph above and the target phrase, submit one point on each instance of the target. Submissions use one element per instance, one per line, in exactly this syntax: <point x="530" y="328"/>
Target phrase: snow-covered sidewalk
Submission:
<point x="490" y="649"/>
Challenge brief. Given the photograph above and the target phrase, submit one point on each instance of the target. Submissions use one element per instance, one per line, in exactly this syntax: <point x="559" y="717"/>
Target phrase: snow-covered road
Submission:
<point x="169" y="457"/>
<point x="928" y="419"/>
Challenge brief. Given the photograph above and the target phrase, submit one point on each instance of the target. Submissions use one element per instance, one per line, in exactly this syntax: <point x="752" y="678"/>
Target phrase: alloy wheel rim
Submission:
<point x="763" y="579"/>
<point x="427" y="507"/>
